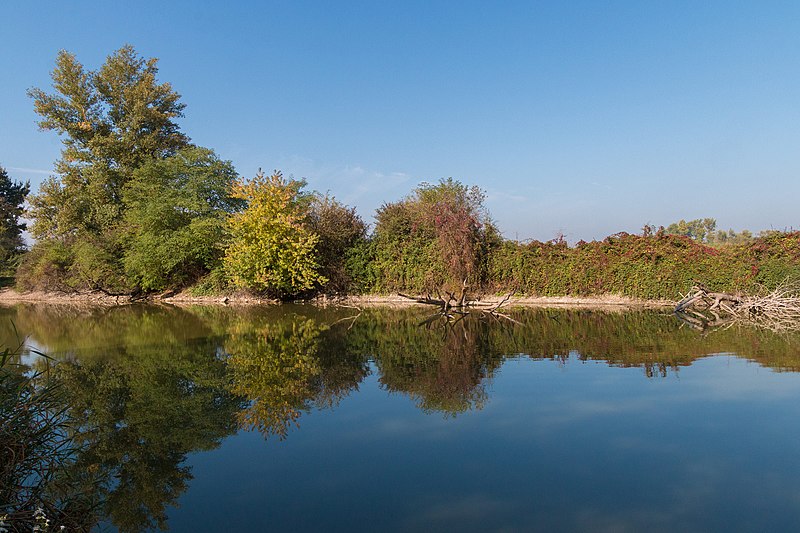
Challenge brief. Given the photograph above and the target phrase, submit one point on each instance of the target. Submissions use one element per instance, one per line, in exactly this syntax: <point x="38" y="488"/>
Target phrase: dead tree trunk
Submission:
<point x="457" y="307"/>
<point x="778" y="310"/>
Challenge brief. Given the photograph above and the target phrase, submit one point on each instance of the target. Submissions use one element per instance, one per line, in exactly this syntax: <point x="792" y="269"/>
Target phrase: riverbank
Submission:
<point x="12" y="296"/>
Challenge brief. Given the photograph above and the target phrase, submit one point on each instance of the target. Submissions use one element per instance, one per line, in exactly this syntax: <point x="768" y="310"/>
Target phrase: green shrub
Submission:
<point x="214" y="283"/>
<point x="653" y="266"/>
<point x="339" y="229"/>
<point x="438" y="236"/>
<point x="271" y="249"/>
<point x="361" y="268"/>
<point x="45" y="267"/>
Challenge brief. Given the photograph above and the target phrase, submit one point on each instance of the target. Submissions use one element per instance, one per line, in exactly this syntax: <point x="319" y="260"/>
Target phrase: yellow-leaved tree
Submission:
<point x="271" y="249"/>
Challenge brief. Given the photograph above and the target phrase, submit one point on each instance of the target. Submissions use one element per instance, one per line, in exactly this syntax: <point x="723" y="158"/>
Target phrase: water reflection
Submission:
<point x="150" y="384"/>
<point x="139" y="413"/>
<point x="444" y="370"/>
<point x="286" y="366"/>
<point x="143" y="392"/>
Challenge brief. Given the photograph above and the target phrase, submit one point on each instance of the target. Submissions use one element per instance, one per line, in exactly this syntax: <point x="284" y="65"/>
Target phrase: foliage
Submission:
<point x="699" y="230"/>
<point x="704" y="230"/>
<point x="659" y="266"/>
<point x="95" y="265"/>
<point x="12" y="198"/>
<point x="175" y="218"/>
<point x="440" y="234"/>
<point x="45" y="267"/>
<point x="340" y="230"/>
<point x="272" y="250"/>
<point x="361" y="267"/>
<point x="214" y="283"/>
<point x="112" y="121"/>
<point x="71" y="265"/>
<point x="722" y="237"/>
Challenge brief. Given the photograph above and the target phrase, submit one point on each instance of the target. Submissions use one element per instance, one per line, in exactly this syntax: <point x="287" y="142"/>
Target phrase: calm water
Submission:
<point x="301" y="419"/>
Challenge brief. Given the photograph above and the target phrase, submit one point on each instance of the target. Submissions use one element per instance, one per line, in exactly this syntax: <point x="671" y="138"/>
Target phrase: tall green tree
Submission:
<point x="701" y="230"/>
<point x="12" y="198"/>
<point x="175" y="218"/>
<point x="111" y="121"/>
<point x="122" y="152"/>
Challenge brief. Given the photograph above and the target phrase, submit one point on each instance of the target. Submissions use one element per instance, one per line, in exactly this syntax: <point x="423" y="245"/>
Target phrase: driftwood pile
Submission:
<point x="453" y="309"/>
<point x="778" y="310"/>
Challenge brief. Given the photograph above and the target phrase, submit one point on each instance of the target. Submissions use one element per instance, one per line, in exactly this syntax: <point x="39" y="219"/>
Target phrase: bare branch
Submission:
<point x="778" y="310"/>
<point x="460" y="306"/>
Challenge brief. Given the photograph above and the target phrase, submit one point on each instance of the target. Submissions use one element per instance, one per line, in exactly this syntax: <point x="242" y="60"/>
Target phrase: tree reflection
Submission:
<point x="275" y="368"/>
<point x="287" y="366"/>
<point x="290" y="364"/>
<point x="138" y="415"/>
<point x="650" y="340"/>
<point x="443" y="369"/>
<point x="146" y="386"/>
<point x="450" y="378"/>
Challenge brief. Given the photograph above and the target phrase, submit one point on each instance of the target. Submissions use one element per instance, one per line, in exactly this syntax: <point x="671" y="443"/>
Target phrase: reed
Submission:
<point x="37" y="491"/>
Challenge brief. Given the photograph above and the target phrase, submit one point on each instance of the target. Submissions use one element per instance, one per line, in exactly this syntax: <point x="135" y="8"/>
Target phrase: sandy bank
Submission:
<point x="10" y="296"/>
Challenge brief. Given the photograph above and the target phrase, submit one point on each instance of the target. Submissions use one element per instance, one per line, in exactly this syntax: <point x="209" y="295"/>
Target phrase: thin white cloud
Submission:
<point x="31" y="170"/>
<point x="501" y="196"/>
<point x="353" y="183"/>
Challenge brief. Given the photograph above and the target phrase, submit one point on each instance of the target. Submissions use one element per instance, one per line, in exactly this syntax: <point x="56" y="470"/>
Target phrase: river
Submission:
<point x="298" y="418"/>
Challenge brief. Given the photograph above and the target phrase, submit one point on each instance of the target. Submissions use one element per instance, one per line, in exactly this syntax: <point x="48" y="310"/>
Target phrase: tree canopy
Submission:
<point x="340" y="231"/>
<point x="175" y="219"/>
<point x="699" y="229"/>
<point x="12" y="198"/>
<point x="111" y="121"/>
<point x="133" y="205"/>
<point x="439" y="234"/>
<point x="704" y="230"/>
<point x="272" y="250"/>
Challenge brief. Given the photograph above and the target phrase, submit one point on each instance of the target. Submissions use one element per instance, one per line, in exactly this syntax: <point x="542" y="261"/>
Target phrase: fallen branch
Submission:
<point x="352" y="318"/>
<point x="460" y="305"/>
<point x="778" y="310"/>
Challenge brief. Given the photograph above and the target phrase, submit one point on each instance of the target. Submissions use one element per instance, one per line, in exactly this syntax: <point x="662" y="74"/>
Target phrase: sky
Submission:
<point x="576" y="118"/>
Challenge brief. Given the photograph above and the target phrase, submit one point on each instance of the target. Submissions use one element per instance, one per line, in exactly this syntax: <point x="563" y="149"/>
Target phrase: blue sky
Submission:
<point x="584" y="118"/>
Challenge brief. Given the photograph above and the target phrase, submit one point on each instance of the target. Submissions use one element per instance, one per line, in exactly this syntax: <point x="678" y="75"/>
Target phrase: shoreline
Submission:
<point x="608" y="301"/>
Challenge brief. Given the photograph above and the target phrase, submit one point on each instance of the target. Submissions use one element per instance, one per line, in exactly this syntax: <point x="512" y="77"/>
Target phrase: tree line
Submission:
<point x="135" y="208"/>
